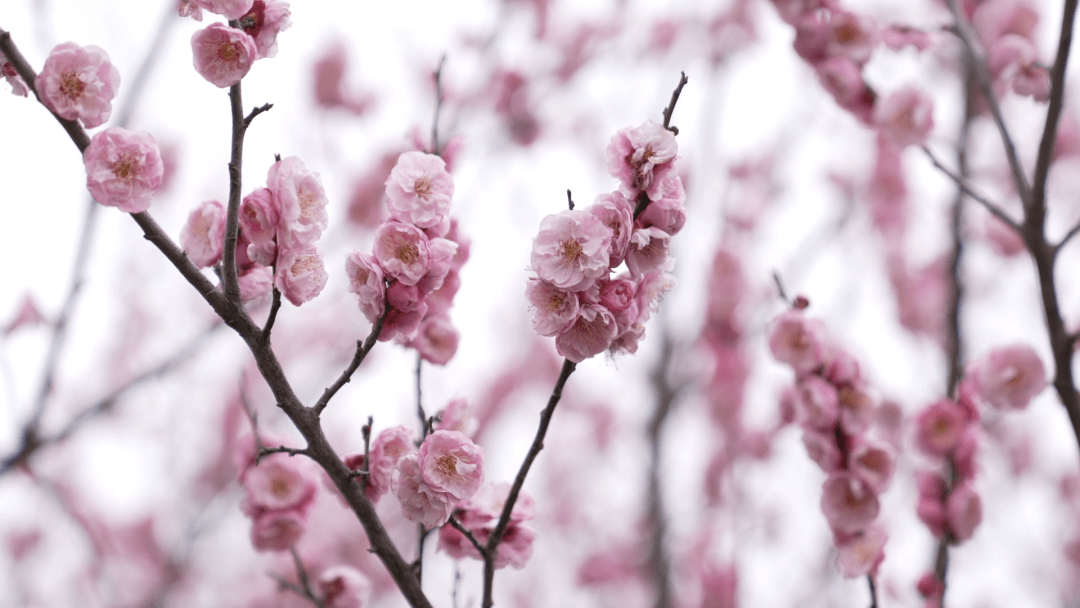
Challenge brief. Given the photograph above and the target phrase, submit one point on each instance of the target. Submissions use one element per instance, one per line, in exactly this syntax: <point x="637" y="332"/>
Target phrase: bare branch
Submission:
<point x="362" y="349"/>
<point x="962" y="183"/>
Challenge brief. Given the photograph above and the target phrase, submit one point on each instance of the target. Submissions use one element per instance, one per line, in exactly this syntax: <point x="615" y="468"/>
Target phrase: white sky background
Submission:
<point x="762" y="97"/>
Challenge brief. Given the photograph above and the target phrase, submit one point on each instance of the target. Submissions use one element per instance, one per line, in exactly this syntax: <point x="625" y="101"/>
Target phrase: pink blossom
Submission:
<point x="939" y="426"/>
<point x="618" y="297"/>
<point x="258" y="222"/>
<point x="861" y="554"/>
<point x="896" y="37"/>
<point x="996" y="18"/>
<point x="230" y="9"/>
<point x="436" y="339"/>
<point x="480" y="514"/>
<point x="419" y="190"/>
<point x="79" y="82"/>
<point x="278" y="530"/>
<point x="301" y="202"/>
<point x="554" y="310"/>
<point x="818" y="406"/>
<point x="420" y="503"/>
<point x="402" y="252"/>
<point x="848" y="503"/>
<point x="572" y="250"/>
<point x="842" y="78"/>
<point x="267" y="18"/>
<point x="123" y="169"/>
<point x="452" y="463"/>
<point x="256" y="283"/>
<point x="301" y="275"/>
<point x="648" y="250"/>
<point x="222" y="55"/>
<point x="458" y="416"/>
<point x="667" y="217"/>
<point x="189" y="8"/>
<point x="366" y="281"/>
<point x="851" y="35"/>
<point x="857" y="409"/>
<point x="905" y="117"/>
<point x="402" y="324"/>
<point x="344" y="586"/>
<point x="872" y="464"/>
<point x="7" y="72"/>
<point x="1008" y="378"/>
<point x="615" y="212"/>
<point x="278" y="483"/>
<point x="843" y="369"/>
<point x="641" y="157"/>
<point x="797" y="341"/>
<point x="812" y="37"/>
<point x="388" y="448"/>
<point x="591" y="334"/>
<point x="931" y="506"/>
<point x="203" y="236"/>
<point x="440" y="261"/>
<point x="822" y="449"/>
<point x="964" y="510"/>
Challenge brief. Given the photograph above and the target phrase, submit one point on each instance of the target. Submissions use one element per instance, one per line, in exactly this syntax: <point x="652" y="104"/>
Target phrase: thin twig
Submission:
<point x="962" y="183"/>
<point x="873" y="590"/>
<point x="1054" y="107"/>
<point x="455" y="524"/>
<point x="670" y="109"/>
<point x="264" y="452"/>
<point x="275" y="306"/>
<point x="438" y="107"/>
<point x="665" y="399"/>
<point x="519" y="481"/>
<point x="362" y="350"/>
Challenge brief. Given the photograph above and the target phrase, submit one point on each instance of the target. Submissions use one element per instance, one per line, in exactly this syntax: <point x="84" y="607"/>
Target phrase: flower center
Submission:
<point x="408" y="253"/>
<point x="422" y="187"/>
<point x="71" y="85"/>
<point x="569" y="250"/>
<point x="126" y="167"/>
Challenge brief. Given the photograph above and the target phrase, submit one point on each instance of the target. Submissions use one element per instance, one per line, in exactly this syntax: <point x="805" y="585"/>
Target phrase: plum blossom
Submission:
<point x="572" y="250"/>
<point x="344" y="586"/>
<point x="420" y="503"/>
<point x="267" y="18"/>
<point x="366" y="281"/>
<point x="278" y="484"/>
<point x="388" y="448"/>
<point x="402" y="252"/>
<point x="964" y="511"/>
<point x="222" y="55"/>
<point x="617" y="214"/>
<point x="123" y="169"/>
<point x="278" y="530"/>
<point x="591" y="334"/>
<point x="480" y="514"/>
<point x="301" y="275"/>
<point x="457" y="416"/>
<point x="450" y="462"/>
<point x="79" y="83"/>
<point x="861" y="554"/>
<point x="7" y="72"/>
<point x="851" y="35"/>
<point x="648" y="250"/>
<point x="203" y="236"/>
<point x="797" y="341"/>
<point x="301" y="202"/>
<point x="848" y="503"/>
<point x="1008" y="378"/>
<point x="419" y="190"/>
<point x="905" y="117"/>
<point x="436" y="339"/>
<point x="554" y="310"/>
<point x="189" y="8"/>
<point x="939" y="427"/>
<point x="258" y="223"/>
<point x="642" y="157"/>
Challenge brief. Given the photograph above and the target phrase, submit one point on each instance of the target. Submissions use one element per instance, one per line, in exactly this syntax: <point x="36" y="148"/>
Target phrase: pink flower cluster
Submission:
<point x="573" y="296"/>
<point x="430" y="483"/>
<point x="8" y="73"/>
<point x="279" y="226"/>
<point x="78" y="83"/>
<point x="947" y="432"/>
<point x="1006" y="29"/>
<point x="833" y="405"/>
<point x="414" y="265"/>
<point x="123" y="169"/>
<point x="1008" y="378"/>
<point x="838" y="43"/>
<point x="223" y="54"/>
<point x="345" y="587"/>
<point x="279" y="493"/>
<point x="479" y="515"/>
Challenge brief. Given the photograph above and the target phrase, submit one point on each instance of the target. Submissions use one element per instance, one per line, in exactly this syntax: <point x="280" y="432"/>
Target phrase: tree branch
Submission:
<point x="362" y="349"/>
<point x="962" y="183"/>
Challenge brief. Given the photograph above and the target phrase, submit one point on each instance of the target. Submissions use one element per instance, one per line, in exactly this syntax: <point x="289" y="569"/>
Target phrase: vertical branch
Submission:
<point x="232" y="219"/>
<point x="435" y="149"/>
<point x="657" y="559"/>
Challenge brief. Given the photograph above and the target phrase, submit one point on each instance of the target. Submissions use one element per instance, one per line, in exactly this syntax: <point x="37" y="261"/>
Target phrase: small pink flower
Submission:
<point x="7" y="72"/>
<point x="852" y="35"/>
<point x="259" y="222"/>
<point x="906" y="117"/>
<point x="436" y="339"/>
<point x="572" y="250"/>
<point x="797" y="341"/>
<point x="648" y="250"/>
<point x="452" y="463"/>
<point x="389" y="447"/>
<point x="938" y="427"/>
<point x="873" y="464"/>
<point x="848" y="503"/>
<point x="861" y="554"/>
<point x="964" y="510"/>
<point x="203" y="236"/>
<point x="402" y="252"/>
<point x="123" y="169"/>
<point x="279" y="483"/>
<point x="301" y="276"/>
<point x="256" y="284"/>
<point x="615" y="212"/>
<point x="419" y="190"/>
<point x="857" y="409"/>
<point x="230" y="9"/>
<point x="268" y="18"/>
<point x="897" y="37"/>
<point x="278" y="530"/>
<point x="822" y="449"/>
<point x="366" y="281"/>
<point x="440" y="263"/>
<point x="79" y="82"/>
<point x="817" y="406"/>
<point x="222" y="55"/>
<point x="343" y="586"/>
<point x="420" y="503"/>
<point x="931" y="505"/>
<point x="554" y="310"/>
<point x="301" y="203"/>
<point x="189" y="8"/>
<point x="1008" y="378"/>
<point x="842" y="78"/>
<point x="591" y="334"/>
<point x="458" y="416"/>
<point x="641" y="157"/>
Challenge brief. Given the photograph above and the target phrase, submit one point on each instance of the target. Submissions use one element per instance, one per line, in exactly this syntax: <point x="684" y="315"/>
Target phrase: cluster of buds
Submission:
<point x="573" y="296"/>
<point x="279" y="226"/>
<point x="224" y="54"/>
<point x="412" y="272"/>
<point x="832" y="404"/>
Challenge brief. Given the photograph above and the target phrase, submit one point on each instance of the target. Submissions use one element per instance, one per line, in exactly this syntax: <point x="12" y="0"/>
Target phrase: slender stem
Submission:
<point x="873" y="590"/>
<point x="435" y="149"/>
<point x="362" y="350"/>
<point x="1055" y="105"/>
<point x="519" y="481"/>
<point x="657" y="558"/>
<point x="455" y="524"/>
<point x="275" y="306"/>
<point x="962" y="183"/>
<point x="670" y="109"/>
<point x="232" y="218"/>
<point x="954" y="342"/>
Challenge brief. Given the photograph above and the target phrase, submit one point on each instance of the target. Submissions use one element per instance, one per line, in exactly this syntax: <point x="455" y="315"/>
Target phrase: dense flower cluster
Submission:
<point x="479" y="516"/>
<point x="413" y="269"/>
<point x="833" y="405"/>
<point x="78" y="83"/>
<point x="279" y="492"/>
<point x="573" y="296"/>
<point x="223" y="54"/>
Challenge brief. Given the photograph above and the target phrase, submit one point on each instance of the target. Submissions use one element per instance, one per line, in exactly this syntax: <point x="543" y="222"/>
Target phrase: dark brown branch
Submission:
<point x="435" y="149"/>
<point x="670" y="109"/>
<point x="455" y="524"/>
<point x="264" y="452"/>
<point x="1054" y="108"/>
<point x="362" y="349"/>
<point x="230" y="279"/>
<point x="873" y="590"/>
<point x="519" y="481"/>
<point x="657" y="558"/>
<point x="275" y="306"/>
<point x="962" y="183"/>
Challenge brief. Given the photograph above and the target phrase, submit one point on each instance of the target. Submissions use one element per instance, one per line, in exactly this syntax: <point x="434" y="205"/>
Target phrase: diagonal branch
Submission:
<point x="962" y="183"/>
<point x="362" y="349"/>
